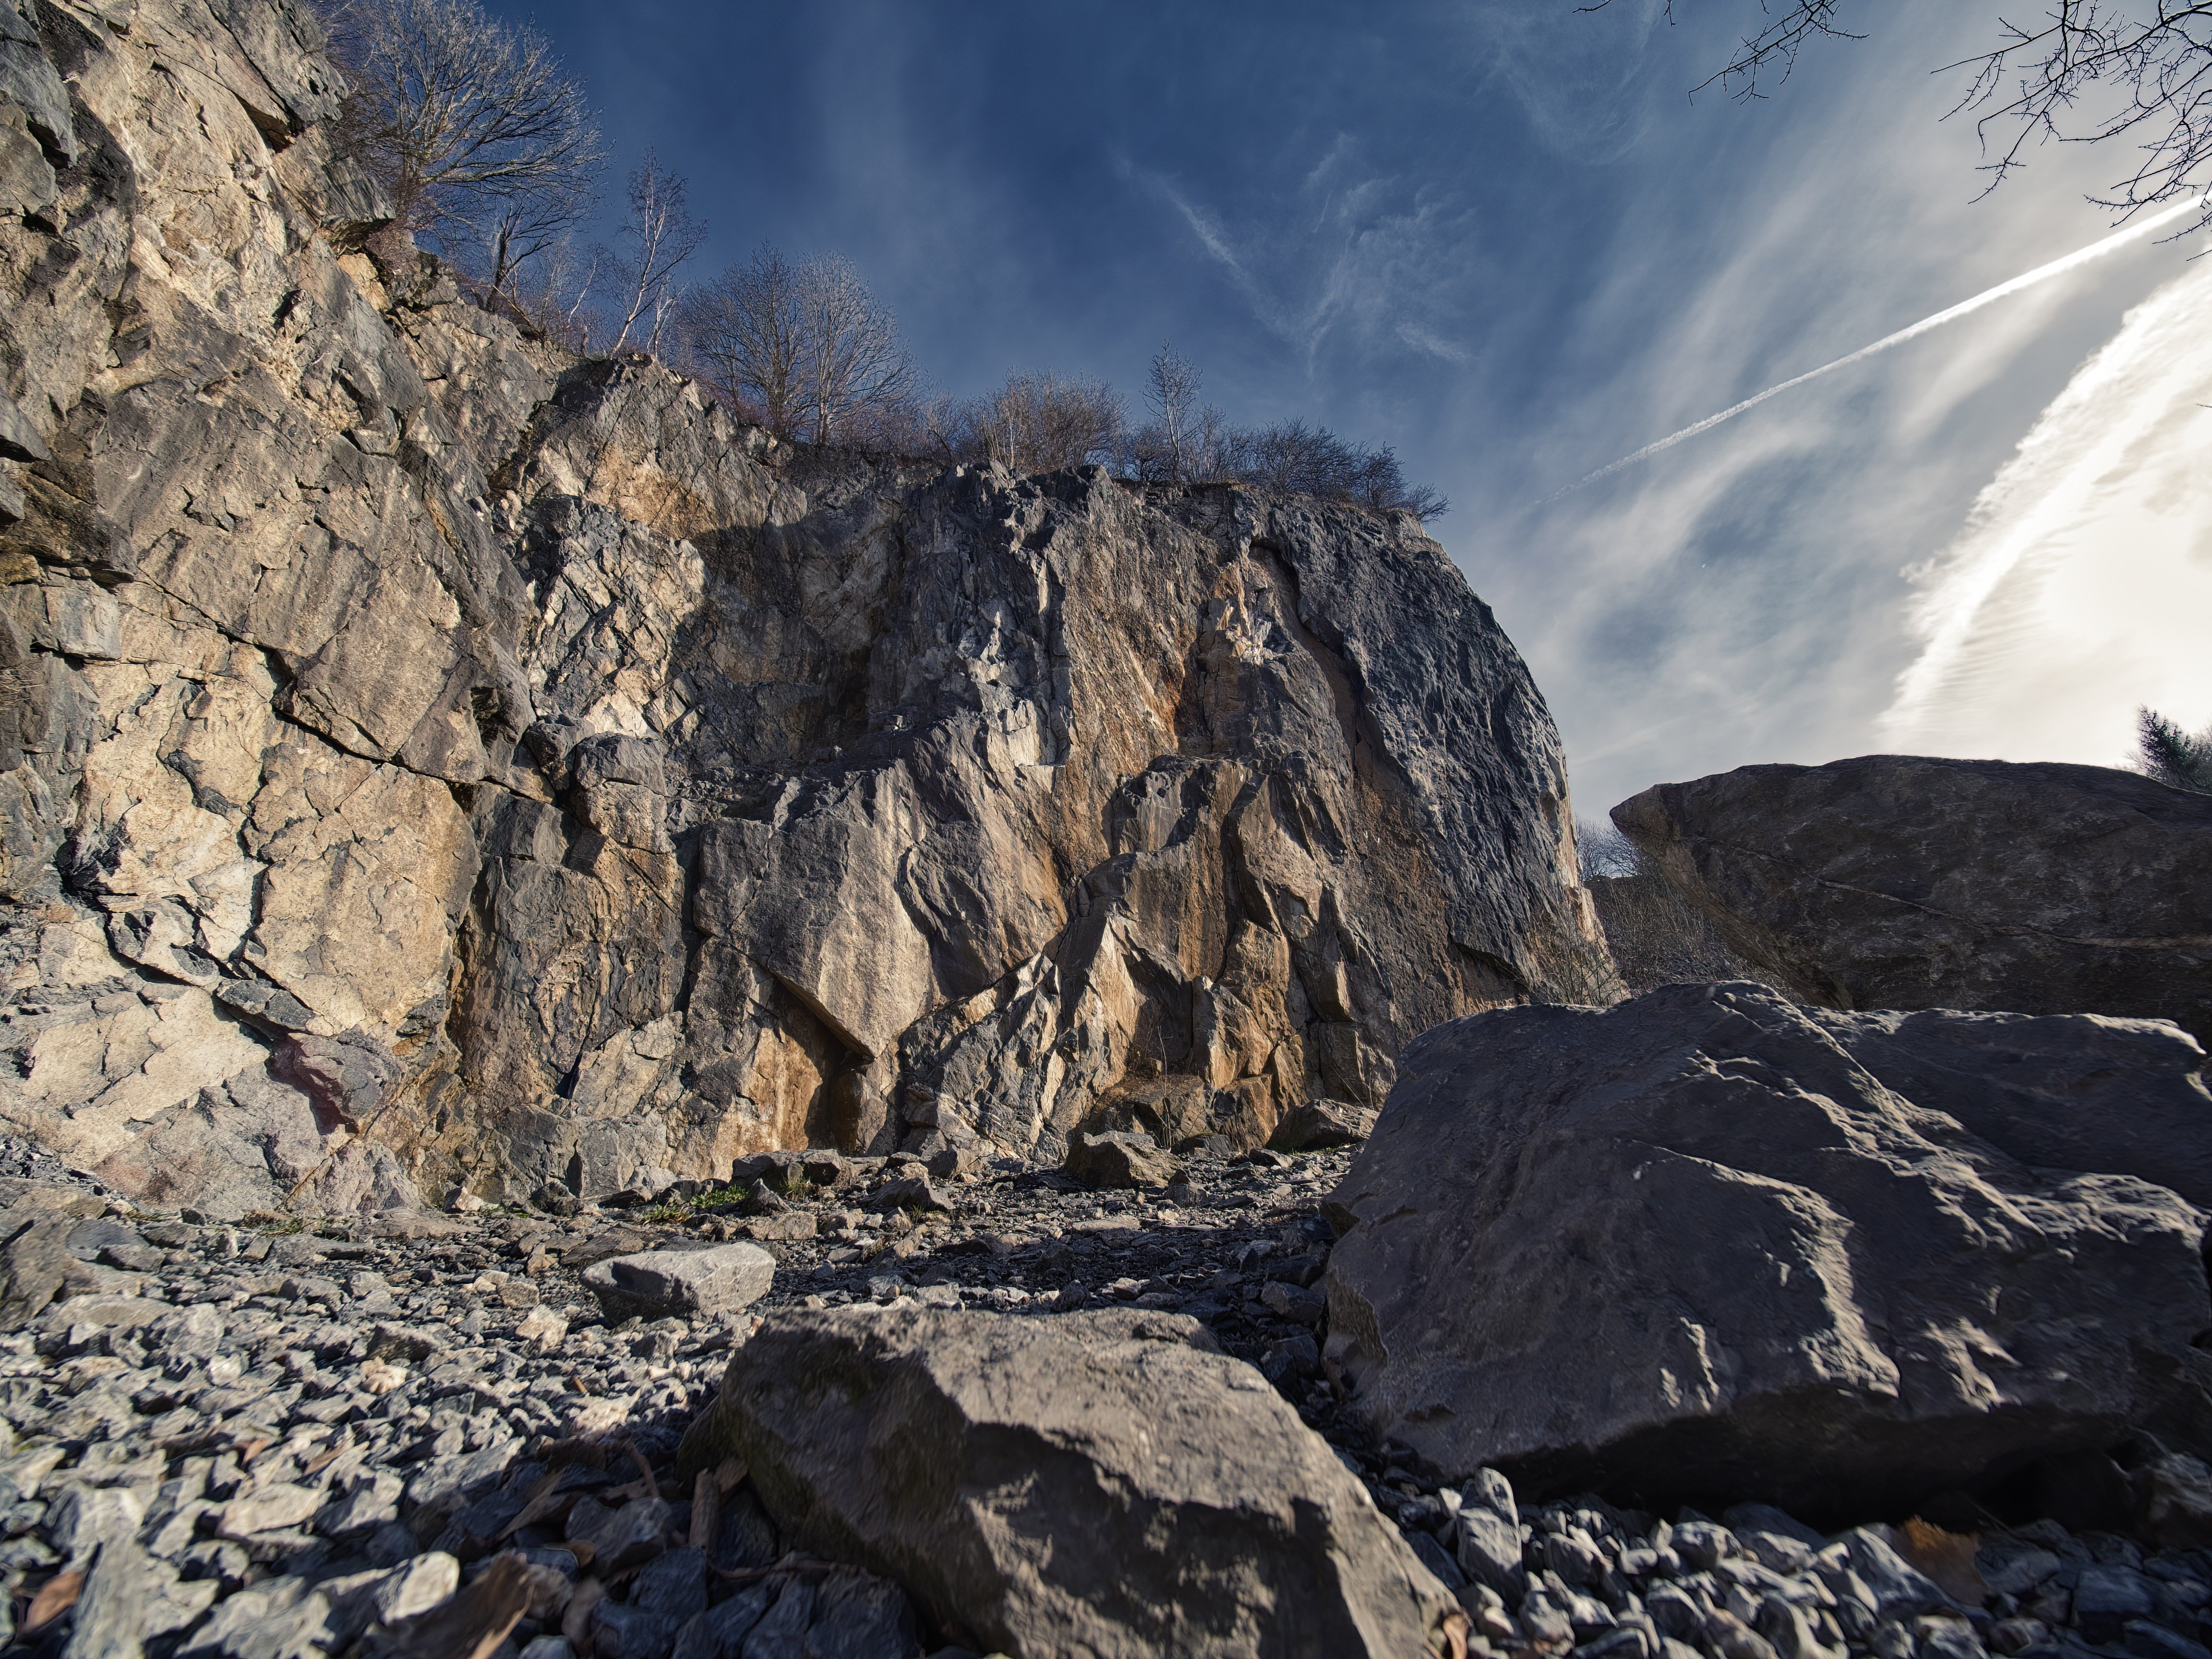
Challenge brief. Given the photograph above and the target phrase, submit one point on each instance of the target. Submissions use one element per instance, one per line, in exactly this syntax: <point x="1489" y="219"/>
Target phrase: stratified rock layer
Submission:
<point x="430" y="761"/>
<point x="1902" y="881"/>
<point x="1098" y="1483"/>
<point x="1707" y="1243"/>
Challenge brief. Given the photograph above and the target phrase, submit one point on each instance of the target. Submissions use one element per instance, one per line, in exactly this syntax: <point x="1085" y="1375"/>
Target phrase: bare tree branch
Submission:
<point x="660" y="234"/>
<point x="855" y="358"/>
<point x="1171" y="393"/>
<point x="806" y="350"/>
<point x="2091" y="70"/>
<point x="2081" y="71"/>
<point x="455" y="108"/>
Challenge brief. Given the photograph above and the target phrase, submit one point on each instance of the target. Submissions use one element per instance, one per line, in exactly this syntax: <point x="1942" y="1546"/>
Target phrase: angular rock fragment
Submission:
<point x="1320" y="1123"/>
<point x="1096" y="1482"/>
<point x="687" y="1284"/>
<point x="1121" y="1157"/>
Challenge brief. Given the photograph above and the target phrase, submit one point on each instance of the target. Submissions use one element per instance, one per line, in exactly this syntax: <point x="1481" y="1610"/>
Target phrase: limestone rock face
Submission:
<point x="1708" y="1242"/>
<point x="1098" y="1483"/>
<point x="1903" y="881"/>
<point x="427" y="760"/>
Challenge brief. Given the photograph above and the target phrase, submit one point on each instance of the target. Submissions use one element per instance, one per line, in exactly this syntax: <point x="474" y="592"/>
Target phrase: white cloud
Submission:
<point x="1354" y="251"/>
<point x="2078" y="589"/>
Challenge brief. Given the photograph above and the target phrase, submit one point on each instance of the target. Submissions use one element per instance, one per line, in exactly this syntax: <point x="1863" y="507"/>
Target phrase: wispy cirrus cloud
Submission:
<point x="1353" y="254"/>
<point x="2077" y="588"/>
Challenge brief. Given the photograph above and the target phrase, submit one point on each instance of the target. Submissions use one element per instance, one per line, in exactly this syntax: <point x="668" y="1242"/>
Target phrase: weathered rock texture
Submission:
<point x="428" y="760"/>
<point x="1096" y="1483"/>
<point x="1899" y="881"/>
<point x="1708" y="1244"/>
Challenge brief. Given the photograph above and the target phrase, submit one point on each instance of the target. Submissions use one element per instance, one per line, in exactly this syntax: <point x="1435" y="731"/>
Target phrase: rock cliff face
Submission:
<point x="431" y="762"/>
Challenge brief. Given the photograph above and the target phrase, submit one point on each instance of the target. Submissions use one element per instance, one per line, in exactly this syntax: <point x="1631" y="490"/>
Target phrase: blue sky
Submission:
<point x="1501" y="238"/>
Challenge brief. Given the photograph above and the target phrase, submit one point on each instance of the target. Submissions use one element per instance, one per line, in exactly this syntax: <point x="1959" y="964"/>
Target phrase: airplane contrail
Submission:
<point x="1988" y="296"/>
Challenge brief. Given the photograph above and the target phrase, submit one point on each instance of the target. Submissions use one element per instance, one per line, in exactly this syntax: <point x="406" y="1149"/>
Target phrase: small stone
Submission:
<point x="1702" y="1545"/>
<point x="1320" y="1123"/>
<point x="909" y="1193"/>
<point x="619" y="1538"/>
<point x="2107" y="1598"/>
<point x="1294" y="1302"/>
<point x="2150" y="1640"/>
<point x="84" y="1517"/>
<point x="542" y="1328"/>
<point x="1291" y="1359"/>
<point x="2010" y="1636"/>
<point x="381" y="1375"/>
<point x="792" y="1226"/>
<point x="417" y="1586"/>
<point x="268" y="1509"/>
<point x="1489" y="1551"/>
<point x="369" y="1505"/>
<point x="673" y="1585"/>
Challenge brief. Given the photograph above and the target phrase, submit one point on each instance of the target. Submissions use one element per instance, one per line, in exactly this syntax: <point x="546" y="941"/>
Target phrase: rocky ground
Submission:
<point x="421" y="1435"/>
<point x="263" y="1441"/>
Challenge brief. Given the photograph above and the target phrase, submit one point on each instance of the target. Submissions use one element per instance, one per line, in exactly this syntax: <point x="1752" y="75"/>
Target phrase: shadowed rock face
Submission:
<point x="1708" y="1244"/>
<point x="1902" y="881"/>
<point x="430" y="760"/>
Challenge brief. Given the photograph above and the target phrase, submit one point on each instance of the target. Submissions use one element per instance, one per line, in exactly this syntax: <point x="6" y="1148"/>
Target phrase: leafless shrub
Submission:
<point x="1171" y="384"/>
<point x="1040" y="423"/>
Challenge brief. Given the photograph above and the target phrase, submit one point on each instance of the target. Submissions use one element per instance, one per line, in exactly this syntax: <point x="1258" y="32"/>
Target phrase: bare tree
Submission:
<point x="745" y="331"/>
<point x="659" y="235"/>
<point x="517" y="231"/>
<point x="1171" y="393"/>
<point x="556" y="300"/>
<point x="2083" y="71"/>
<point x="806" y="350"/>
<point x="1600" y="850"/>
<point x="854" y="360"/>
<point x="457" y="111"/>
<point x="2154" y="73"/>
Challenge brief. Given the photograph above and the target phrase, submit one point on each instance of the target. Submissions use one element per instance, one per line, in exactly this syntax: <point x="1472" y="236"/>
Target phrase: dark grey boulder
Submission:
<point x="1121" y="1157"/>
<point x="1102" y="1483"/>
<point x="1906" y="881"/>
<point x="1319" y="1123"/>
<point x="1710" y="1245"/>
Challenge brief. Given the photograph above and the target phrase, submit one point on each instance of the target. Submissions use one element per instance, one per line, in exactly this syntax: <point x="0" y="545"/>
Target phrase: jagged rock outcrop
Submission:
<point x="430" y="761"/>
<point x="1908" y="881"/>
<point x="1708" y="1244"/>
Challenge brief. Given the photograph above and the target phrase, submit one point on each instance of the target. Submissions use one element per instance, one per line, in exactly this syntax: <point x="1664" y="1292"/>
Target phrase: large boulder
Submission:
<point x="1097" y="1483"/>
<point x="1903" y="881"/>
<point x="1710" y="1245"/>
